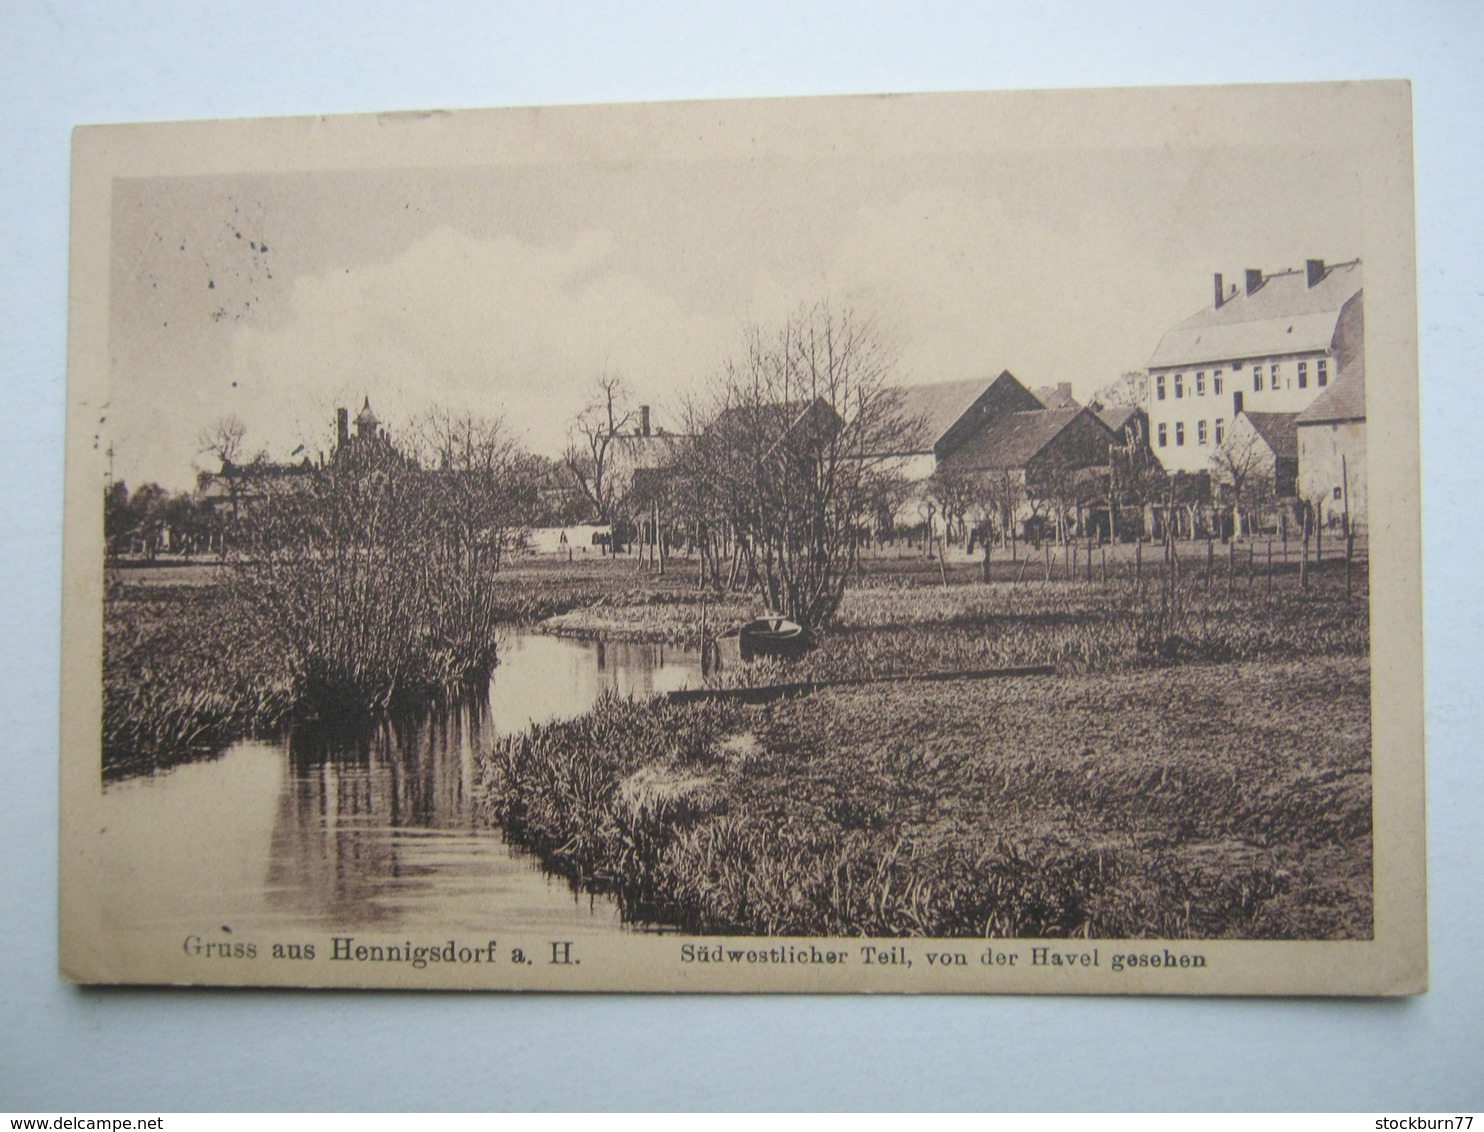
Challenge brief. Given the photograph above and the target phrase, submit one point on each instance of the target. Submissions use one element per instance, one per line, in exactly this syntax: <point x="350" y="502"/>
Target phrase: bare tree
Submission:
<point x="1242" y="465"/>
<point x="590" y="448"/>
<point x="224" y="439"/>
<point x="790" y="451"/>
<point x="954" y="492"/>
<point x="482" y="489"/>
<point x="1135" y="479"/>
<point x="1001" y="494"/>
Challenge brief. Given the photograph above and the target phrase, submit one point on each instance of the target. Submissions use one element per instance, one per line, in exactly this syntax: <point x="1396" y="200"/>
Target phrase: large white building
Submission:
<point x="1271" y="347"/>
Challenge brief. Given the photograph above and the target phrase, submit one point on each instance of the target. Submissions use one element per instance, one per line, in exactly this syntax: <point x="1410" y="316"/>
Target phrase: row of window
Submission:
<point x="1179" y="383"/>
<point x="1202" y="434"/>
<point x="1275" y="375"/>
<point x="1274" y="379"/>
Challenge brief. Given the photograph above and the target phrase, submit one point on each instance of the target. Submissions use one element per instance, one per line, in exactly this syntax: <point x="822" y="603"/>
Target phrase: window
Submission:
<point x="1220" y="430"/>
<point x="1159" y="387"/>
<point x="1216" y="384"/>
<point x="1323" y="375"/>
<point x="1257" y="379"/>
<point x="1163" y="440"/>
<point x="1273" y="376"/>
<point x="1303" y="375"/>
<point x="1200" y="384"/>
<point x="1179" y="433"/>
<point x="1179" y="386"/>
<point x="1200" y="432"/>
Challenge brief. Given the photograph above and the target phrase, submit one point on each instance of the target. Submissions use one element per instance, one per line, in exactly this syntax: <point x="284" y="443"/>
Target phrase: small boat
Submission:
<point x="767" y="636"/>
<point x="772" y="636"/>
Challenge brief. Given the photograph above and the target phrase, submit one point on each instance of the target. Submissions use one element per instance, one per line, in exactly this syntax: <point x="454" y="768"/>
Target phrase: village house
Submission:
<point x="1037" y="446"/>
<point x="1331" y="445"/>
<point x="1262" y="448"/>
<point x="643" y="448"/>
<point x="648" y="462"/>
<point x="945" y="414"/>
<point x="1057" y="460"/>
<point x="941" y="417"/>
<point x="1129" y="424"/>
<point x="1273" y="346"/>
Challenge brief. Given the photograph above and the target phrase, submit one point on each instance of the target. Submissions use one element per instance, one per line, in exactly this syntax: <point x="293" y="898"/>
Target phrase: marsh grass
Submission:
<point x="183" y="672"/>
<point x="1108" y="806"/>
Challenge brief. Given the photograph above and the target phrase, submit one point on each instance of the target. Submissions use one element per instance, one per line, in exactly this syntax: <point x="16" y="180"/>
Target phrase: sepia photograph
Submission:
<point x="950" y="543"/>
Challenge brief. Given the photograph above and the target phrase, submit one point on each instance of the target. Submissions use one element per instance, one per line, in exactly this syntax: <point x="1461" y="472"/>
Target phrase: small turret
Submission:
<point x="366" y="422"/>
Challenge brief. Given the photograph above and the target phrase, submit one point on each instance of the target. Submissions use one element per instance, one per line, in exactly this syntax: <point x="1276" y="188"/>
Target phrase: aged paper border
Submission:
<point x="1372" y="119"/>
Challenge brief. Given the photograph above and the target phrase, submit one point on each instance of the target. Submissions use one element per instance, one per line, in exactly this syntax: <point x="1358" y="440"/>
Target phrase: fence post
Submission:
<point x="1304" y="558"/>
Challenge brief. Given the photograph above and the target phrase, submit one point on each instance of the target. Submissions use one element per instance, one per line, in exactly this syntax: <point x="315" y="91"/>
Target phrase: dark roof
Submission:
<point x="1342" y="401"/>
<point x="1013" y="440"/>
<point x="940" y="405"/>
<point x="1056" y="397"/>
<point x="1116" y="417"/>
<point x="1279" y="431"/>
<point x="1283" y="316"/>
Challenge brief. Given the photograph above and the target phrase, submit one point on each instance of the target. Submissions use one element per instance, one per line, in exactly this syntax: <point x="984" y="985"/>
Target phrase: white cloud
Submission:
<point x="488" y="326"/>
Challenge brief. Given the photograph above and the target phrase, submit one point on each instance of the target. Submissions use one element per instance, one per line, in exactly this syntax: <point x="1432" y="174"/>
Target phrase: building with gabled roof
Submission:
<point x="1035" y="444"/>
<point x="1271" y="346"/>
<point x="1266" y="444"/>
<point x="1331" y="438"/>
<point x="1128" y="423"/>
<point x="947" y="413"/>
<point x="942" y="417"/>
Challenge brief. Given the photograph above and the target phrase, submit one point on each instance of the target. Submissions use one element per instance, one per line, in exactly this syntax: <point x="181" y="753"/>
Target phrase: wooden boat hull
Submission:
<point x="775" y="637"/>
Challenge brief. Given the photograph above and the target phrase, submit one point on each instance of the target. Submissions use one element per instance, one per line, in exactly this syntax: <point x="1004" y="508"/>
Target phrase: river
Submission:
<point x="371" y="831"/>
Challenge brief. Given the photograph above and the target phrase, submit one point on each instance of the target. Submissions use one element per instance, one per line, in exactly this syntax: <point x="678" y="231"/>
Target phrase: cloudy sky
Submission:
<point x="507" y="290"/>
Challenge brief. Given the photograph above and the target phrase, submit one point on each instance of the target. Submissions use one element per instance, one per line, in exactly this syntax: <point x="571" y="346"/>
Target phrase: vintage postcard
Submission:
<point x="940" y="543"/>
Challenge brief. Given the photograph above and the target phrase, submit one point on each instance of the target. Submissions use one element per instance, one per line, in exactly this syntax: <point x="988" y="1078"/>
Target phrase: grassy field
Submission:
<point x="1199" y="766"/>
<point x="1099" y="805"/>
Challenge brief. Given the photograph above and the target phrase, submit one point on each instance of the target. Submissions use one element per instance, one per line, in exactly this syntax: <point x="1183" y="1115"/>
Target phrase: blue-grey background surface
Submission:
<point x="61" y="1048"/>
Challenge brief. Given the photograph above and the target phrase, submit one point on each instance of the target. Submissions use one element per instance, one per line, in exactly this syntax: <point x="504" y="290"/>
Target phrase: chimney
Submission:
<point x="643" y="420"/>
<point x="342" y="427"/>
<point x="1313" y="270"/>
<point x="1220" y="295"/>
<point x="1064" y="390"/>
<point x="1254" y="279"/>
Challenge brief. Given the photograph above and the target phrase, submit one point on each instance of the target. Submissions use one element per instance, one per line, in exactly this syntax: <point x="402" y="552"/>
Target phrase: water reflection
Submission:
<point x="377" y="827"/>
<point x="542" y="678"/>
